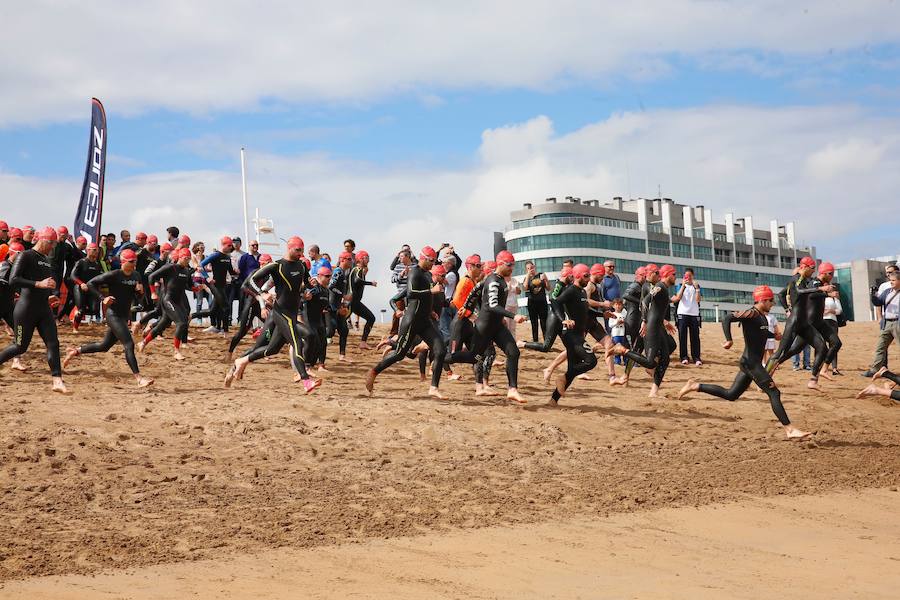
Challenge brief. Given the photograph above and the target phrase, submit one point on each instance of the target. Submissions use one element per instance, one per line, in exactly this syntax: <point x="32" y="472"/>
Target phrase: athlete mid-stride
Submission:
<point x="124" y="285"/>
<point x="177" y="277"/>
<point x="291" y="278"/>
<point x="358" y="285"/>
<point x="572" y="310"/>
<point x="32" y="274"/>
<point x="755" y="327"/>
<point x="417" y="323"/>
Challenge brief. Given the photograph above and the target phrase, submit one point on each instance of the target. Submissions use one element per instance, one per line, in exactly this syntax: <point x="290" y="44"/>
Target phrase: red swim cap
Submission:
<point x="81" y="240"/>
<point x="16" y="247"/>
<point x="597" y="269"/>
<point x="826" y="267"/>
<point x="183" y="253"/>
<point x="48" y="233"/>
<point x="184" y="240"/>
<point x="28" y="228"/>
<point x="140" y="236"/>
<point x="651" y="268"/>
<point x="763" y="292"/>
<point x="345" y="256"/>
<point x="323" y="270"/>
<point x="152" y="239"/>
<point x="640" y="272"/>
<point x="807" y="261"/>
<point x="506" y="257"/>
<point x="667" y="271"/>
<point x="438" y="271"/>
<point x="4" y="226"/>
<point x="475" y="259"/>
<point x="427" y="253"/>
<point x="265" y="259"/>
<point x="93" y="246"/>
<point x="15" y="233"/>
<point x="167" y="247"/>
<point x="361" y="255"/>
<point x="62" y="230"/>
<point x="227" y="241"/>
<point x="295" y="243"/>
<point x="127" y="255"/>
<point x="581" y="270"/>
<point x="489" y="267"/>
<point x="565" y="272"/>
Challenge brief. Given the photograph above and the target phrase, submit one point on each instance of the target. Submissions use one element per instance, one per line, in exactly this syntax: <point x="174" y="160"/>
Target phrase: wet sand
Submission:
<point x="112" y="477"/>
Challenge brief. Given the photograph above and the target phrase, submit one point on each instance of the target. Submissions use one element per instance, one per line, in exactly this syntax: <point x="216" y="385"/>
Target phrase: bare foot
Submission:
<point x="140" y="347"/>
<point x="623" y="380"/>
<point x="436" y="393"/>
<point x="229" y="376"/>
<point x="813" y="384"/>
<point x="59" y="386"/>
<point x="310" y="384"/>
<point x="454" y="377"/>
<point x="72" y="353"/>
<point x="553" y="402"/>
<point x="135" y="327"/>
<point x="322" y="370"/>
<point x="370" y="380"/>
<point x="17" y="365"/>
<point x="364" y="346"/>
<point x="690" y="386"/>
<point x="869" y="390"/>
<point x="617" y="350"/>
<point x="584" y="376"/>
<point x="879" y="373"/>
<point x="239" y="366"/>
<point x="513" y="395"/>
<point x="487" y="391"/>
<point x="343" y="358"/>
<point x="547" y="374"/>
<point x="654" y="393"/>
<point x="520" y="344"/>
<point x="297" y="378"/>
<point x="420" y="347"/>
<point x="178" y="355"/>
<point x="825" y="375"/>
<point x="797" y="435"/>
<point x="144" y="382"/>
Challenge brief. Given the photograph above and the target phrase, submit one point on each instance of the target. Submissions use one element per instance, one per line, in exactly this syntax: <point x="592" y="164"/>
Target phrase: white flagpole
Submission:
<point x="244" y="182"/>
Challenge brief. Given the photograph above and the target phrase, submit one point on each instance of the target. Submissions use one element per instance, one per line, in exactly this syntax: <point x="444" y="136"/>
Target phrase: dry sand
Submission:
<point x="113" y="477"/>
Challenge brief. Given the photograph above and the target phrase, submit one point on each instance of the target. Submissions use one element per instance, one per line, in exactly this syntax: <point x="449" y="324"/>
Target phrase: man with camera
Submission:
<point x="888" y="298"/>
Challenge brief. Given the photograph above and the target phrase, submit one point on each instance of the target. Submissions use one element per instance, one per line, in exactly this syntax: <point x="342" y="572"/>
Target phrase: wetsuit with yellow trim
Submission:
<point x="290" y="279"/>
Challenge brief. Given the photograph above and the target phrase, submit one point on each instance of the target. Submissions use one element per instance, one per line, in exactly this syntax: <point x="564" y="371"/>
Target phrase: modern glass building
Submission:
<point x="729" y="258"/>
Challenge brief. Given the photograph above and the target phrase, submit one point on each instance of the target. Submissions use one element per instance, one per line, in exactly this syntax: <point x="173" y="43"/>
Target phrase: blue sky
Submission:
<point x="409" y="122"/>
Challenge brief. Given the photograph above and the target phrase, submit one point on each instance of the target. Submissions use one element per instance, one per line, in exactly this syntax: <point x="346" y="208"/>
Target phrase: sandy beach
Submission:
<point x="353" y="489"/>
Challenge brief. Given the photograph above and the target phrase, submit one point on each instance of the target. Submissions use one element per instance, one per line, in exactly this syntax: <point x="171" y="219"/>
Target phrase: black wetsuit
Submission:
<point x="572" y="304"/>
<point x="174" y="304"/>
<point x="32" y="311"/>
<point x="490" y="329"/>
<point x="291" y="279"/>
<point x="222" y="267"/>
<point x="632" y="299"/>
<point x="895" y="393"/>
<point x="316" y="311"/>
<point x="798" y="331"/>
<point x="339" y="286"/>
<point x="536" y="296"/>
<point x="815" y="316"/>
<point x="358" y="285"/>
<point x="86" y="301"/>
<point x="416" y="321"/>
<point x="251" y="311"/>
<point x="123" y="288"/>
<point x="7" y="293"/>
<point x="554" y="325"/>
<point x="756" y="331"/>
<point x="153" y="310"/>
<point x="594" y="322"/>
<point x="70" y="257"/>
<point x="657" y="344"/>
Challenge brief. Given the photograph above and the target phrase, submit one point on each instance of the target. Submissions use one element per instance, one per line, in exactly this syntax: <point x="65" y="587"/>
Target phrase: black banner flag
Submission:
<point x="90" y="206"/>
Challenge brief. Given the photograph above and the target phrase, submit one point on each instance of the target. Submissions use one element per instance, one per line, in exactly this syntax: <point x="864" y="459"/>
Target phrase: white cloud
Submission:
<point x="206" y="56"/>
<point x="767" y="163"/>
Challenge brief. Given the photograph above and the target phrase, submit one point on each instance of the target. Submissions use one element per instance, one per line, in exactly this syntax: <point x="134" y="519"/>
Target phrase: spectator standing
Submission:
<point x="687" y="297"/>
<point x="451" y="279"/>
<point x="889" y="301"/>
<point x="247" y="264"/>
<point x="833" y="318"/>
<point x="234" y="287"/>
<point x="536" y="286"/>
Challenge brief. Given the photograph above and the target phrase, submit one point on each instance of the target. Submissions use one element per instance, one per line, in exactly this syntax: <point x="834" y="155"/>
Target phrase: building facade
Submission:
<point x="729" y="258"/>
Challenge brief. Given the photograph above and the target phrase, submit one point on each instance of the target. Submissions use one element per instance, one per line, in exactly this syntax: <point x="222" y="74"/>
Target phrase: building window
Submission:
<point x="743" y="258"/>
<point x="655" y="228"/>
<point x="765" y="260"/>
<point x="706" y="274"/>
<point x="573" y="219"/>
<point x="740" y="238"/>
<point x="703" y="253"/>
<point x="762" y="243"/>
<point x="723" y="255"/>
<point x="720" y="237"/>
<point x="659" y="248"/>
<point x="575" y="240"/>
<point x="700" y="233"/>
<point x="679" y="231"/>
<point x="787" y="262"/>
<point x="681" y="250"/>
